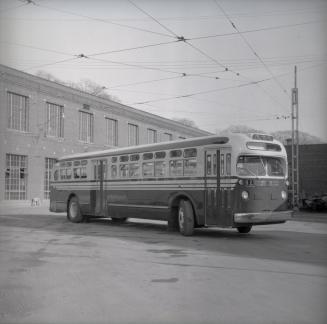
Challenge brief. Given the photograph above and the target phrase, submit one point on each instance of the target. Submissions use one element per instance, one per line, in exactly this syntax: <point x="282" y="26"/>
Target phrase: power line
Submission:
<point x="103" y="20"/>
<point x="136" y="66"/>
<point x="251" y="47"/>
<point x="53" y="63"/>
<point x="151" y="17"/>
<point x="38" y="48"/>
<point x="143" y="82"/>
<point x="258" y="30"/>
<point x="13" y="8"/>
<point x="202" y="92"/>
<point x="133" y="48"/>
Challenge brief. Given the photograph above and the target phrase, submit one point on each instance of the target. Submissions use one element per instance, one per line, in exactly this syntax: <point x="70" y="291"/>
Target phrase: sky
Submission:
<point x="218" y="63"/>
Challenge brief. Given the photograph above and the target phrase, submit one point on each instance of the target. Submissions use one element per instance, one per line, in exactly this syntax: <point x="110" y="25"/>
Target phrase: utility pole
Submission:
<point x="295" y="144"/>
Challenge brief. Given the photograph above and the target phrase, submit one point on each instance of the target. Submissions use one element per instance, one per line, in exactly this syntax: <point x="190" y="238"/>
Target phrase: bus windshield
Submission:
<point x="260" y="166"/>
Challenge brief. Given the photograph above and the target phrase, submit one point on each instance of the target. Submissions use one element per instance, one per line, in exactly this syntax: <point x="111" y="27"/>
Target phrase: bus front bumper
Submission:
<point x="263" y="217"/>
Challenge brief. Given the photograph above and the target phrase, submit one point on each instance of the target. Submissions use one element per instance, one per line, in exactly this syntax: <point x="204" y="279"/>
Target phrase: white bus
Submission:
<point x="235" y="181"/>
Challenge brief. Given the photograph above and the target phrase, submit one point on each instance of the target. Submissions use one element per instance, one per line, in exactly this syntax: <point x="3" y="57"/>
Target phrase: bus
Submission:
<point x="235" y="181"/>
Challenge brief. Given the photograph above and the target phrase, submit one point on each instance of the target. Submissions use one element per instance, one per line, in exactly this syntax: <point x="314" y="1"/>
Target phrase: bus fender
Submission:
<point x="174" y="199"/>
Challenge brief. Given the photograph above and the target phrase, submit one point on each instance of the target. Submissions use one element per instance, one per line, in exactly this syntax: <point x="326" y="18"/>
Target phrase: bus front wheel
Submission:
<point x="74" y="211"/>
<point x="186" y="218"/>
<point x="244" y="229"/>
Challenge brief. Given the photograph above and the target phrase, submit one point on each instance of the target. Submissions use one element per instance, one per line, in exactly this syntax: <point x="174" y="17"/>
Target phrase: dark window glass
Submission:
<point x="147" y="156"/>
<point x="160" y="155"/>
<point x="175" y="153"/>
<point x="114" y="159"/>
<point x="123" y="158"/>
<point x="134" y="157"/>
<point x="191" y="152"/>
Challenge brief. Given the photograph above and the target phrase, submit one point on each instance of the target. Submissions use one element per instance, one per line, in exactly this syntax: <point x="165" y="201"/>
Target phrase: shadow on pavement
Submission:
<point x="271" y="245"/>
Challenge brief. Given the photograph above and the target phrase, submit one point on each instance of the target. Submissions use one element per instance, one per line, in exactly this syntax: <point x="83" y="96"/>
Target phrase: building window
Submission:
<point x="55" y="120"/>
<point x="152" y="136"/>
<point x="112" y="132"/>
<point x="133" y="135"/>
<point x="16" y="177"/>
<point x="86" y="121"/>
<point x="166" y="137"/>
<point x="18" y="112"/>
<point x="49" y="163"/>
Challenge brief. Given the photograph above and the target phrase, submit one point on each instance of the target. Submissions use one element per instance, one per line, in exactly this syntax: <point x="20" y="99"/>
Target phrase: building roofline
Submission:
<point x="105" y="101"/>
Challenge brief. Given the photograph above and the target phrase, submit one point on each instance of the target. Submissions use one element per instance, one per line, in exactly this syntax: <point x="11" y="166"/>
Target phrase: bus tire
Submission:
<point x="244" y="229"/>
<point x="118" y="220"/>
<point x="185" y="218"/>
<point x="74" y="211"/>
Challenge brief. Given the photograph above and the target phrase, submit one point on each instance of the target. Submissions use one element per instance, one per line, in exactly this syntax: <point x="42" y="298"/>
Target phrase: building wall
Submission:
<point x="37" y="146"/>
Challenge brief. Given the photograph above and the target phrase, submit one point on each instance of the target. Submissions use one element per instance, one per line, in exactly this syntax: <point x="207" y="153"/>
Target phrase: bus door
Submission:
<point x="98" y="192"/>
<point x="212" y="187"/>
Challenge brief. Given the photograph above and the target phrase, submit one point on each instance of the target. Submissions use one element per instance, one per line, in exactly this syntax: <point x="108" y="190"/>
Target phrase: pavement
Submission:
<point x="54" y="271"/>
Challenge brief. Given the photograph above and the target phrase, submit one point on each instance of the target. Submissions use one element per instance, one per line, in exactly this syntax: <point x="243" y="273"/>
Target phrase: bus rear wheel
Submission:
<point x="186" y="218"/>
<point x="74" y="211"/>
<point x="244" y="229"/>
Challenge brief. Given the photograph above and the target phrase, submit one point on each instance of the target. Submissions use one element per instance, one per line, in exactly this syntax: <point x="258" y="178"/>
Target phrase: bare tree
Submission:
<point x="85" y="85"/>
<point x="186" y="121"/>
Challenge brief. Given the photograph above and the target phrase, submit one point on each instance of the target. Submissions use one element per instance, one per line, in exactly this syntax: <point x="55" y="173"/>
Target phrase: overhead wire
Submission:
<point x="186" y="41"/>
<point x="13" y="8"/>
<point x="103" y="20"/>
<point x="156" y="20"/>
<point x="135" y="65"/>
<point x="51" y="63"/>
<point x="251" y="48"/>
<point x="258" y="30"/>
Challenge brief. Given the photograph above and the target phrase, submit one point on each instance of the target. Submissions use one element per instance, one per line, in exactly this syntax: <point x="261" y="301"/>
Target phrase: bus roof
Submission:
<point x="190" y="142"/>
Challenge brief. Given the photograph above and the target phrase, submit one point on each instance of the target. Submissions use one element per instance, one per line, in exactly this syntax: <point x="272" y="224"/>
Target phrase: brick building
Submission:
<point x="41" y="120"/>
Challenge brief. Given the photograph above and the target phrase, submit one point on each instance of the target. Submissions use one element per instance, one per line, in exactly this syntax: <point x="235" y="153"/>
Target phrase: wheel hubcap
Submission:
<point x="181" y="217"/>
<point x="73" y="209"/>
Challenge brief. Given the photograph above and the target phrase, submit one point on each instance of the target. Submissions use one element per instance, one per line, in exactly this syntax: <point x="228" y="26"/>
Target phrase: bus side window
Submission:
<point x="214" y="164"/>
<point x="176" y="167"/>
<point x="160" y="168"/>
<point x="55" y="175"/>
<point x="208" y="164"/>
<point x="68" y="173"/>
<point x="190" y="167"/>
<point x="123" y="170"/>
<point x="113" y="171"/>
<point x="77" y="173"/>
<point x="62" y="174"/>
<point x="228" y="164"/>
<point x="134" y="170"/>
<point x="222" y="164"/>
<point x="83" y="172"/>
<point x="147" y="169"/>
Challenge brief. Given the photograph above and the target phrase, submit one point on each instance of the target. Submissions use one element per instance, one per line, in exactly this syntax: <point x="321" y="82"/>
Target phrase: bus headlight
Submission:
<point x="284" y="194"/>
<point x="245" y="195"/>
